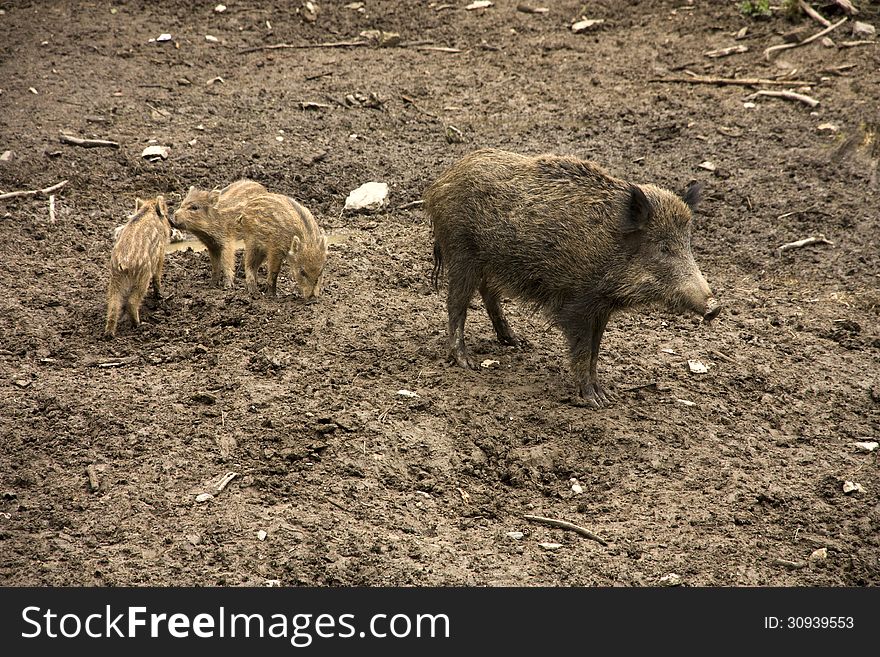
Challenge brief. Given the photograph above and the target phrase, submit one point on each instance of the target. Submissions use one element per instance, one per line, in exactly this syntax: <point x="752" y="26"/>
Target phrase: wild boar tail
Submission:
<point x="438" y="266"/>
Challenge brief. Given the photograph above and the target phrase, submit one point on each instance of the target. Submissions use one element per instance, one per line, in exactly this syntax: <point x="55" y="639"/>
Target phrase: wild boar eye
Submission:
<point x="302" y="272"/>
<point x="663" y="247"/>
<point x="194" y="208"/>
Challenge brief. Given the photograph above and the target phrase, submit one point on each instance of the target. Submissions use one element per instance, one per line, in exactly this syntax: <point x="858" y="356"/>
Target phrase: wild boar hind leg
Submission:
<point x="492" y="301"/>
<point x="463" y="280"/>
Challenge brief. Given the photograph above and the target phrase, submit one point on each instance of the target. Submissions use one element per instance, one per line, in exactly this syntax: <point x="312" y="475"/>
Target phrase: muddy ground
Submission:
<point x="695" y="479"/>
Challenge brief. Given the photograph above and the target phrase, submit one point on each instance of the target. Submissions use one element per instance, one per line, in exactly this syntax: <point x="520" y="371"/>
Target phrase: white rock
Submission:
<point x="672" y="579"/>
<point x="407" y="393"/>
<point x="211" y="39"/>
<point x="867" y="445"/>
<point x="586" y="24"/>
<point x="155" y="152"/>
<point x="204" y="497"/>
<point x="863" y="30"/>
<point x="577" y="489"/>
<point x="749" y="105"/>
<point x="515" y="535"/>
<point x="707" y="165"/>
<point x="827" y="127"/>
<point x="489" y="363"/>
<point x="550" y="546"/>
<point x="818" y="555"/>
<point x="6" y="157"/>
<point x="479" y="4"/>
<point x="685" y="402"/>
<point x="261" y="535"/>
<point x="164" y="37"/>
<point x="697" y="367"/>
<point x="668" y="351"/>
<point x="852" y="487"/>
<point x="369" y="196"/>
<point x="220" y="9"/>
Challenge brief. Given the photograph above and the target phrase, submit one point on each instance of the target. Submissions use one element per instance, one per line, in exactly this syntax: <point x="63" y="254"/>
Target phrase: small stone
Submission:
<point x="163" y="37"/>
<point x="220" y="9"/>
<point x="369" y="196"/>
<point x="827" y="42"/>
<point x="818" y="555"/>
<point x="827" y="127"/>
<point x="550" y="546"/>
<point x="585" y="24"/>
<point x="479" y="4"/>
<point x="672" y="579"/>
<point x="211" y="39"/>
<point x="515" y="535"/>
<point x="407" y="393"/>
<point x="577" y="489"/>
<point x="204" y="497"/>
<point x="749" y="105"/>
<point x="852" y="487"/>
<point x="697" y="367"/>
<point x="261" y="535"/>
<point x="686" y="402"/>
<point x="155" y="152"/>
<point x="867" y="445"/>
<point x="6" y="157"/>
<point x="863" y="30"/>
<point x="489" y="363"/>
<point x="707" y="165"/>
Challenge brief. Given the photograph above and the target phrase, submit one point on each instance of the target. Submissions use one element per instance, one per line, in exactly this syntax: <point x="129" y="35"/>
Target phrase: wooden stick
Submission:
<point x="804" y="242"/>
<point x="787" y="95"/>
<point x="33" y="192"/>
<point x="439" y="49"/>
<point x="52" y="208"/>
<point x="279" y="46"/>
<point x="87" y="143"/>
<point x="745" y="82"/>
<point x="92" y="473"/>
<point x="564" y="524"/>
<point x="812" y="13"/>
<point x="724" y="52"/>
<point x="413" y="204"/>
<point x="853" y="44"/>
<point x="794" y="565"/>
<point x="818" y="35"/>
<point x="224" y="481"/>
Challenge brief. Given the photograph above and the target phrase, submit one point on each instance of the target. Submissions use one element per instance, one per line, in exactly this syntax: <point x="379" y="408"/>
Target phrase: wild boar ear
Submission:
<point x="638" y="211"/>
<point x="138" y="202"/>
<point x="213" y="197"/>
<point x="161" y="207"/>
<point x="693" y="195"/>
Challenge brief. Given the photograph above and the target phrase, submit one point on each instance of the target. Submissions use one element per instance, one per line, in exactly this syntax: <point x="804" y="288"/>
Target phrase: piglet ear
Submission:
<point x="138" y="202"/>
<point x="213" y="196"/>
<point x="693" y="195"/>
<point x="161" y="207"/>
<point x="638" y="211"/>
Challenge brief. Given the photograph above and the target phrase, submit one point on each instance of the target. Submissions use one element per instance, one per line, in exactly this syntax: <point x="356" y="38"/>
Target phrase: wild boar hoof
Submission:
<point x="462" y="359"/>
<point x="594" y="395"/>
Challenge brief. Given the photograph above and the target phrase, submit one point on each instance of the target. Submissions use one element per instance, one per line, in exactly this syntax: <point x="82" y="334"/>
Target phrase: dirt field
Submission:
<point x="693" y="479"/>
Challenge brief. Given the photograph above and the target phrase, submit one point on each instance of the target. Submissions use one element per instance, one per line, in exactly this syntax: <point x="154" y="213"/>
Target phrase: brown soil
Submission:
<point x="354" y="483"/>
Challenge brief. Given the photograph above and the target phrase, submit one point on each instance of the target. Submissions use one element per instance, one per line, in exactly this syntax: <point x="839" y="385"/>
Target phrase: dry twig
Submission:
<point x="88" y="143"/>
<point x="92" y="473"/>
<point x="564" y="524"/>
<point x="52" y="208"/>
<point x="812" y="13"/>
<point x="412" y="204"/>
<point x="807" y="241"/>
<point x="745" y="82"/>
<point x="794" y="565"/>
<point x="280" y="46"/>
<point x="818" y="35"/>
<point x="787" y="95"/>
<point x="33" y="192"/>
<point x="724" y="52"/>
<point x="439" y="49"/>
